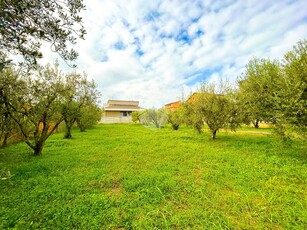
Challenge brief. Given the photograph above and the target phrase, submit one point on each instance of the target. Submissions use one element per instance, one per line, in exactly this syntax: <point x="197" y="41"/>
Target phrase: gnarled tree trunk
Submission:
<point x="38" y="148"/>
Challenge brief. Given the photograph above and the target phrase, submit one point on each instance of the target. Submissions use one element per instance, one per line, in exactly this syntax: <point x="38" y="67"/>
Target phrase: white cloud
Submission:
<point x="152" y="50"/>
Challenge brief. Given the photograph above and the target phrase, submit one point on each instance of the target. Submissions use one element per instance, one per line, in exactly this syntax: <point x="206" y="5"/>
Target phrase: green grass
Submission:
<point x="132" y="177"/>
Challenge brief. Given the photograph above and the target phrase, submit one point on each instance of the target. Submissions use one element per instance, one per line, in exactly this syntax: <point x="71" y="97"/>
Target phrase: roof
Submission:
<point x="193" y="97"/>
<point x="175" y="102"/>
<point x="122" y="105"/>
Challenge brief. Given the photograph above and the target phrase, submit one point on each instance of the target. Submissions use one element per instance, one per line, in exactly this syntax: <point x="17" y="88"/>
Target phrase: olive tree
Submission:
<point x="214" y="105"/>
<point x="290" y="98"/>
<point x="36" y="105"/>
<point x="176" y="118"/>
<point x="156" y="117"/>
<point x="191" y="116"/>
<point x="218" y="107"/>
<point x="89" y="116"/>
<point x="256" y="88"/>
<point x="136" y="116"/>
<point x="79" y="102"/>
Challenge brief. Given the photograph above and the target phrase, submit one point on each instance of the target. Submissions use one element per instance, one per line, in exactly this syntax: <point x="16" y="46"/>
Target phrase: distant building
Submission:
<point x="172" y="106"/>
<point x="193" y="97"/>
<point x="119" y="111"/>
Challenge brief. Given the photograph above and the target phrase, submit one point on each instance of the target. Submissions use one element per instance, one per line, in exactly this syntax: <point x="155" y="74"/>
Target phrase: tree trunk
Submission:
<point x="175" y="126"/>
<point x="67" y="132"/>
<point x="80" y="125"/>
<point x="214" y="135"/>
<point x="256" y="124"/>
<point x="38" y="148"/>
<point x="4" y="142"/>
<point x="68" y="125"/>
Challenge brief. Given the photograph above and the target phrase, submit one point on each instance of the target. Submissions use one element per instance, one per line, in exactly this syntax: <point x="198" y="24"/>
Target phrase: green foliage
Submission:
<point x="256" y="89"/>
<point x="38" y="102"/>
<point x="155" y="117"/>
<point x="26" y="24"/>
<point x="136" y="116"/>
<point x="176" y="118"/>
<point x="78" y="102"/>
<point x="291" y="92"/>
<point x="131" y="177"/>
<point x="215" y="106"/>
<point x="277" y="93"/>
<point x="89" y="116"/>
<point x="191" y="116"/>
<point x="35" y="105"/>
<point x="8" y="82"/>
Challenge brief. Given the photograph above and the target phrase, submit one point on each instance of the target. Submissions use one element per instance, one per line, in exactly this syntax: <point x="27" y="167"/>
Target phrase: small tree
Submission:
<point x="175" y="118"/>
<point x="215" y="106"/>
<point x="136" y="116"/>
<point x="155" y="117"/>
<point x="81" y="94"/>
<point x="36" y="105"/>
<point x="192" y="116"/>
<point x="88" y="117"/>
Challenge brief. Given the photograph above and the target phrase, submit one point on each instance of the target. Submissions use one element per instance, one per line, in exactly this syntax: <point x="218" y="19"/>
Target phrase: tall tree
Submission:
<point x="25" y="24"/>
<point x="291" y="91"/>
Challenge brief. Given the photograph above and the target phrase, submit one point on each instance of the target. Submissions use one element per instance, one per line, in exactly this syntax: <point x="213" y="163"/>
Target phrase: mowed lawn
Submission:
<point x="132" y="177"/>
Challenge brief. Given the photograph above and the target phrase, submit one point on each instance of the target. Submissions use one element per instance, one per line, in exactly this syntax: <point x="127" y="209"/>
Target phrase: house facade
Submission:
<point x="119" y="111"/>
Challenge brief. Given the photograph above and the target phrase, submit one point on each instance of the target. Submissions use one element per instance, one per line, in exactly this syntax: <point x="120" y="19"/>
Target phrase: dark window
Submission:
<point x="123" y="114"/>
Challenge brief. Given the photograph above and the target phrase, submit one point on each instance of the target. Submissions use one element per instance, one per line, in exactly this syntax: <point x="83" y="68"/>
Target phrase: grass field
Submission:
<point x="132" y="177"/>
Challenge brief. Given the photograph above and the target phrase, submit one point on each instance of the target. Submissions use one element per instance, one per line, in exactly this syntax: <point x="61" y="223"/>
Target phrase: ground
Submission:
<point x="132" y="177"/>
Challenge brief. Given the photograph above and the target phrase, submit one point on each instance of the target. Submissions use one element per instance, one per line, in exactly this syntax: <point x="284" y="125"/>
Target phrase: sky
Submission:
<point x="155" y="51"/>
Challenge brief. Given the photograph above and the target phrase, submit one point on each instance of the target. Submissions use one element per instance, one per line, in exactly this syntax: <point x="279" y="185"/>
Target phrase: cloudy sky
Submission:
<point x="151" y="51"/>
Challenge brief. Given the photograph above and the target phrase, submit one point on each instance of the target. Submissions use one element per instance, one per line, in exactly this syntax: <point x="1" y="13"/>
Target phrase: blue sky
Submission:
<point x="151" y="51"/>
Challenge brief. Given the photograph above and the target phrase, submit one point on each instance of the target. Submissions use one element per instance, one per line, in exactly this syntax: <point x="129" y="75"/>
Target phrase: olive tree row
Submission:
<point x="268" y="90"/>
<point x="276" y="91"/>
<point x="38" y="102"/>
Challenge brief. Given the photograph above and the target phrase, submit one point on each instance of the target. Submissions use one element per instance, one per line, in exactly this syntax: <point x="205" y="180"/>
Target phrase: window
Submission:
<point x="123" y="114"/>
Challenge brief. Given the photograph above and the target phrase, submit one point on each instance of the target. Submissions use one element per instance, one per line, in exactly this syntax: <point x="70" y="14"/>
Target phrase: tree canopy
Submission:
<point x="256" y="86"/>
<point x="25" y="24"/>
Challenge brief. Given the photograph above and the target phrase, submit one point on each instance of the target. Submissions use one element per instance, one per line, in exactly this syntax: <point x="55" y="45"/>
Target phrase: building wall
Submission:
<point x="112" y="114"/>
<point x="111" y="117"/>
<point x="173" y="106"/>
<point x="193" y="97"/>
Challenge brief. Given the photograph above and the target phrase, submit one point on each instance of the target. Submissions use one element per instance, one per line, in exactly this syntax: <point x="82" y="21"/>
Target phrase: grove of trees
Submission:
<point x="36" y="103"/>
<point x="270" y="91"/>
